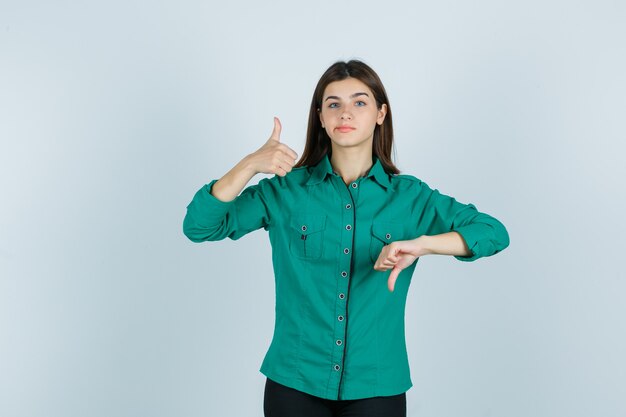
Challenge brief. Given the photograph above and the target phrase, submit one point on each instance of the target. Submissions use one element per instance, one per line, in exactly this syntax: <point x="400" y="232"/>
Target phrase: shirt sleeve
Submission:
<point x="483" y="234"/>
<point x="210" y="219"/>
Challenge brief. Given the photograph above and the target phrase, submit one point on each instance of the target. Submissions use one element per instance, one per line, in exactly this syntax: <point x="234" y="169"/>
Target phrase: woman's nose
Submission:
<point x="346" y="116"/>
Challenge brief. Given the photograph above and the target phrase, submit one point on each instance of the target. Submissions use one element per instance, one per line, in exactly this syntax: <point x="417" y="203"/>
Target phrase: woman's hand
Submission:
<point x="399" y="255"/>
<point x="273" y="157"/>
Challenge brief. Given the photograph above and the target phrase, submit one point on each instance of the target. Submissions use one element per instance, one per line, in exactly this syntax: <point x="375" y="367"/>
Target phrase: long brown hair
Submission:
<point x="317" y="141"/>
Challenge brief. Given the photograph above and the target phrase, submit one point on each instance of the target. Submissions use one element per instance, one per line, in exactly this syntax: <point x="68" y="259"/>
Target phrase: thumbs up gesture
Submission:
<point x="273" y="157"/>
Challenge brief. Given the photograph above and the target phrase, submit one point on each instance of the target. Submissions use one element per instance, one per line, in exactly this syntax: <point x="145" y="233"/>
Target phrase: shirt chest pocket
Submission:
<point x="306" y="235"/>
<point x="383" y="233"/>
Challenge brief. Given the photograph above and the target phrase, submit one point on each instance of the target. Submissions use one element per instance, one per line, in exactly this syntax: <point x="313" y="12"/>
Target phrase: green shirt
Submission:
<point x="339" y="331"/>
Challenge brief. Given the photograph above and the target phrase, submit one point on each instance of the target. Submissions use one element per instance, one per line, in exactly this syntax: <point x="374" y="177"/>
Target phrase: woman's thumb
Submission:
<point x="277" y="129"/>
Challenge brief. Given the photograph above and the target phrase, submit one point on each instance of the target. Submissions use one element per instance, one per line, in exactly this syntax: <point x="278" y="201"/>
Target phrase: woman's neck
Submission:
<point x="351" y="163"/>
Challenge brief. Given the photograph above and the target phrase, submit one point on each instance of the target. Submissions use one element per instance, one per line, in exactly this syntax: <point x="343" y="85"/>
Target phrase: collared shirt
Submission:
<point x="339" y="331"/>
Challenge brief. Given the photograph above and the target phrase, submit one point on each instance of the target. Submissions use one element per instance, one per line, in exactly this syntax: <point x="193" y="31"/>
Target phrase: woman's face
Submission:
<point x="349" y="113"/>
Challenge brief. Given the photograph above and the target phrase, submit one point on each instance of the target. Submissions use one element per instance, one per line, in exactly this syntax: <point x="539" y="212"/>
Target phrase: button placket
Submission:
<point x="343" y="280"/>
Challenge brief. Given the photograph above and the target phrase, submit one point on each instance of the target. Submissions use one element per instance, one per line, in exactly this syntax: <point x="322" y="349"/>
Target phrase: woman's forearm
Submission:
<point x="230" y="185"/>
<point x="450" y="243"/>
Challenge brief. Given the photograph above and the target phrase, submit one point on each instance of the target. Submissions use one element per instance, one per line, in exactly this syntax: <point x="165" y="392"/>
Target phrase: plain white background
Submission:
<point x="112" y="115"/>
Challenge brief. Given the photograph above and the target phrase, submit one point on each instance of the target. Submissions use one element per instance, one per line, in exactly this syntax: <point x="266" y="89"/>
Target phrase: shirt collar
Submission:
<point x="324" y="168"/>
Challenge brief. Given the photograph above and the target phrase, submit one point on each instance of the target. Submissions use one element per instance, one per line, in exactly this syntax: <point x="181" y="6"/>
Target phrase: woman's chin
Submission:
<point x="349" y="143"/>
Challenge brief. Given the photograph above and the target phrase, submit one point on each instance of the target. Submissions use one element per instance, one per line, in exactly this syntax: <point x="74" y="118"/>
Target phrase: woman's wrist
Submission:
<point x="247" y="166"/>
<point x="422" y="246"/>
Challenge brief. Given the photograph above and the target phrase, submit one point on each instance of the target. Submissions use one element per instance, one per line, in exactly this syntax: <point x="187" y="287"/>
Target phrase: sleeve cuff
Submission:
<point x="483" y="239"/>
<point x="475" y="240"/>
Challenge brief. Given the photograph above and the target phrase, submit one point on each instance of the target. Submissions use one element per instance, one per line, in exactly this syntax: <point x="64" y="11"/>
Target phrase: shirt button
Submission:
<point x="348" y="206"/>
<point x="348" y="227"/>
<point x="303" y="228"/>
<point x="340" y="318"/>
<point x="354" y="185"/>
<point x="342" y="296"/>
<point x="337" y="367"/>
<point x="344" y="274"/>
<point x="346" y="251"/>
<point x="339" y="342"/>
<point x="388" y="236"/>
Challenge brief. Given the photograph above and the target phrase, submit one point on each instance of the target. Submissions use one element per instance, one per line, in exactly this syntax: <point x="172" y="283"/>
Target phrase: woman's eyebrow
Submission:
<point x="352" y="96"/>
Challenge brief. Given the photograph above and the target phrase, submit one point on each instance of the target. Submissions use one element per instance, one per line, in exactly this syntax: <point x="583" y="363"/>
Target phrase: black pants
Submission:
<point x="282" y="401"/>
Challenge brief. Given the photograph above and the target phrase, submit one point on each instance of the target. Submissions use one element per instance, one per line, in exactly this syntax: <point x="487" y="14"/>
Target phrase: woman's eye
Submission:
<point x="333" y="105"/>
<point x="360" y="103"/>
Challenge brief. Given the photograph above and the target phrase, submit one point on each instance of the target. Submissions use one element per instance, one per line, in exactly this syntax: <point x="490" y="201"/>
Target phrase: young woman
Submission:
<point x="346" y="231"/>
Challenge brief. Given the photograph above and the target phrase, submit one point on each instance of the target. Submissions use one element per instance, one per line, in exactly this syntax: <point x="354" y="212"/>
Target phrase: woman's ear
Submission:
<point x="382" y="112"/>
<point x="321" y="118"/>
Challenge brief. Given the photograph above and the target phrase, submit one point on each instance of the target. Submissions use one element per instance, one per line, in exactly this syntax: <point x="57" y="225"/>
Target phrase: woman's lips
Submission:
<point x="345" y="129"/>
